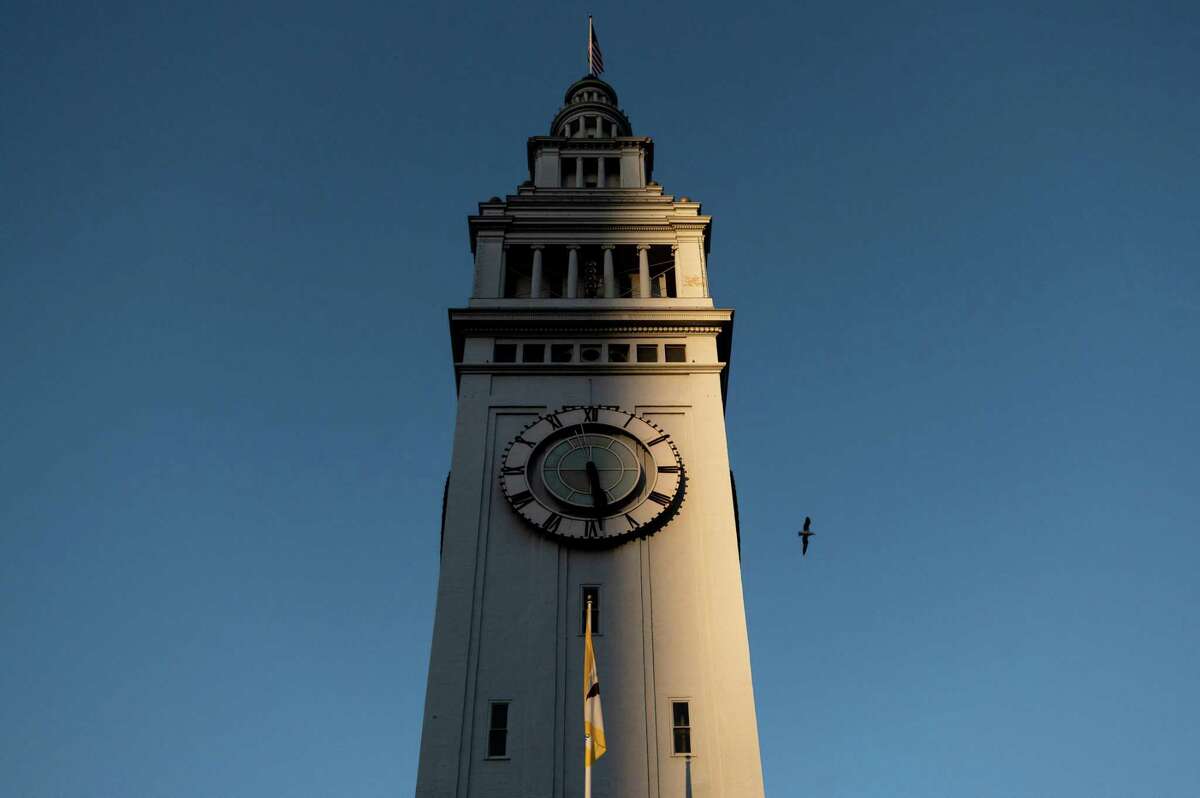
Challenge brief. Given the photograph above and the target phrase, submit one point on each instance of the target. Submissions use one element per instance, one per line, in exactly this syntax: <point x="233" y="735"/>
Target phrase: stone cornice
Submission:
<point x="587" y="368"/>
<point x="593" y="314"/>
<point x="541" y="331"/>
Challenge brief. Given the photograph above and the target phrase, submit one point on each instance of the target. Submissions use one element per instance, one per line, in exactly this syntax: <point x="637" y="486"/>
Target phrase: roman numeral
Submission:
<point x="591" y="529"/>
<point x="551" y="524"/>
<point x="554" y="422"/>
<point x="591" y="414"/>
<point x="521" y="499"/>
<point x="668" y="469"/>
<point x="519" y="439"/>
<point x="629" y="519"/>
<point x="659" y="498"/>
<point x="657" y="440"/>
<point x="626" y="424"/>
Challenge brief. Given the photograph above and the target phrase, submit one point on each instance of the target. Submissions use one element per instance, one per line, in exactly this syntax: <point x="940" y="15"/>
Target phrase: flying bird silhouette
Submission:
<point x="805" y="534"/>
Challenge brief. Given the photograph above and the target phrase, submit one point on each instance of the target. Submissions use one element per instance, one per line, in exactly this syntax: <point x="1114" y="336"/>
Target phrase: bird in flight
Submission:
<point x="805" y="534"/>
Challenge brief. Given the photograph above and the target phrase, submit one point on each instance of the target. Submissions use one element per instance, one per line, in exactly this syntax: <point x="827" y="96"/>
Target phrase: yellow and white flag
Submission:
<point x="594" y="745"/>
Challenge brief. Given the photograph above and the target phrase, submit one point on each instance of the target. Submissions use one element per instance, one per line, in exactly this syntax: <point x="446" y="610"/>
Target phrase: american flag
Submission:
<point x="595" y="58"/>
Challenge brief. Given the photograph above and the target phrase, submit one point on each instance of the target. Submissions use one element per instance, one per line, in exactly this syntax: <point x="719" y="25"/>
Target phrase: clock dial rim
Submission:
<point x="661" y="490"/>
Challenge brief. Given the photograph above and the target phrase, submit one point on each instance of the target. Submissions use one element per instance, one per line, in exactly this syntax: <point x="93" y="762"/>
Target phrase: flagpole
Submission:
<point x="587" y="742"/>
<point x="589" y="46"/>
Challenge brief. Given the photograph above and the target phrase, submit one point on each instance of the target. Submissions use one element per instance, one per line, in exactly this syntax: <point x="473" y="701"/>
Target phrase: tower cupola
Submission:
<point x="590" y="110"/>
<point x="590" y="143"/>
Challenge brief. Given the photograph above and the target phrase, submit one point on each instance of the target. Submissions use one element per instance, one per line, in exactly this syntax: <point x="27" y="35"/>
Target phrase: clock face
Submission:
<point x="593" y="474"/>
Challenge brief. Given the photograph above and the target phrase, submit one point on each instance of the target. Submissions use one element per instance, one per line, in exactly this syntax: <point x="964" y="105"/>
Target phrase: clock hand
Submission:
<point x="598" y="498"/>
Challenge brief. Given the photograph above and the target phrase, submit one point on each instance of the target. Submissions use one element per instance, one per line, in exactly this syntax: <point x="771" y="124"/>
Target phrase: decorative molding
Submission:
<point x="588" y="368"/>
<point x="540" y="332"/>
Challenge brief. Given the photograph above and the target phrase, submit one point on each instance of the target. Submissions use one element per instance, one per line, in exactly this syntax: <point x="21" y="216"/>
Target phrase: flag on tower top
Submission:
<point x="595" y="58"/>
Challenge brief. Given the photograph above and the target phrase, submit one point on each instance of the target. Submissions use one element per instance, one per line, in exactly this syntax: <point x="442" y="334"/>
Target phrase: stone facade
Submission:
<point x="590" y="290"/>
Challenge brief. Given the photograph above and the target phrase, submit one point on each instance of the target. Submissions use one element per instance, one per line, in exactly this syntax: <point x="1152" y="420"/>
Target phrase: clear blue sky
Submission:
<point x="962" y="243"/>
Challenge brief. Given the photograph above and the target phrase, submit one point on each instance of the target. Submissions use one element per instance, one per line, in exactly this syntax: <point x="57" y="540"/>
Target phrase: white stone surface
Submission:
<point x="508" y="607"/>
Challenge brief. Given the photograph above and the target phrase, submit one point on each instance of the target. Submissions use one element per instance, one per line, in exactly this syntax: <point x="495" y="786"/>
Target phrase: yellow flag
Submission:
<point x="594" y="745"/>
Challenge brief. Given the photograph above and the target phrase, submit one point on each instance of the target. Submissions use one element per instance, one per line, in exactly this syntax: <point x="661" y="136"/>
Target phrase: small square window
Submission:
<point x="497" y="745"/>
<point x="533" y="353"/>
<point x="562" y="353"/>
<point x="504" y="353"/>
<point x="647" y="353"/>
<point x="589" y="353"/>
<point x="681" y="728"/>
<point x="618" y="353"/>
<point x="676" y="353"/>
<point x="590" y="593"/>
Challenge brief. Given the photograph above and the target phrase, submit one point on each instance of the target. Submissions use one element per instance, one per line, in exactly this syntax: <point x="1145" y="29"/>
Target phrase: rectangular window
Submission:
<point x="618" y="353"/>
<point x="589" y="593"/>
<point x="504" y="353"/>
<point x="533" y="353"/>
<point x="612" y="172"/>
<point x="647" y="353"/>
<point x="497" y="745"/>
<point x="681" y="728"/>
<point x="676" y="353"/>
<point x="589" y="353"/>
<point x="562" y="353"/>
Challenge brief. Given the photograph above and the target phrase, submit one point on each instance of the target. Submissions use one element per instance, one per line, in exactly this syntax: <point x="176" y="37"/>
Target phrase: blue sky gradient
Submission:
<point x="962" y="244"/>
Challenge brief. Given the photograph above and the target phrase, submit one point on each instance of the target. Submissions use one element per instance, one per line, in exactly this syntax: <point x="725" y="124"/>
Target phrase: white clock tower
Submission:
<point x="590" y="463"/>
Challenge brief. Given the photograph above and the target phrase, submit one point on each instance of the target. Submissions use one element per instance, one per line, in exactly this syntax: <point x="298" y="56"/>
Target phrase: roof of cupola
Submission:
<point x="576" y="91"/>
<point x="591" y="95"/>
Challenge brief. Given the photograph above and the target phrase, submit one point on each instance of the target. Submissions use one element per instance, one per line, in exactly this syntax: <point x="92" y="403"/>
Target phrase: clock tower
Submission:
<point x="590" y="465"/>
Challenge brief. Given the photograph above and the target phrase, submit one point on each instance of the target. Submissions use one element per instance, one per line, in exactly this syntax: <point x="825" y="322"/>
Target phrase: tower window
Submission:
<point x="518" y="267"/>
<point x="567" y="173"/>
<point x="497" y="744"/>
<point x="591" y="172"/>
<point x="612" y="173"/>
<point x="562" y="353"/>
<point x="554" y="273"/>
<point x="589" y="353"/>
<point x="662" y="272"/>
<point x="681" y="728"/>
<point x="589" y="593"/>
<point x="533" y="353"/>
<point x="618" y="353"/>
<point x="504" y="353"/>
<point x="676" y="353"/>
<point x="647" y="353"/>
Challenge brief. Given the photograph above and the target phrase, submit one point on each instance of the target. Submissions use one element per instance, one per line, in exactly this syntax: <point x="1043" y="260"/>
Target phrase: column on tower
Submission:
<point x="579" y="172"/>
<point x="644" y="270"/>
<point x="503" y="270"/>
<point x="610" y="282"/>
<point x="600" y="173"/>
<point x="572" y="271"/>
<point x="535" y="280"/>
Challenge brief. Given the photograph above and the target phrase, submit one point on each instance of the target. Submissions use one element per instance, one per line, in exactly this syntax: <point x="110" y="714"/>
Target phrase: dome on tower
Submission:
<point x="590" y="109"/>
<point x="590" y="87"/>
